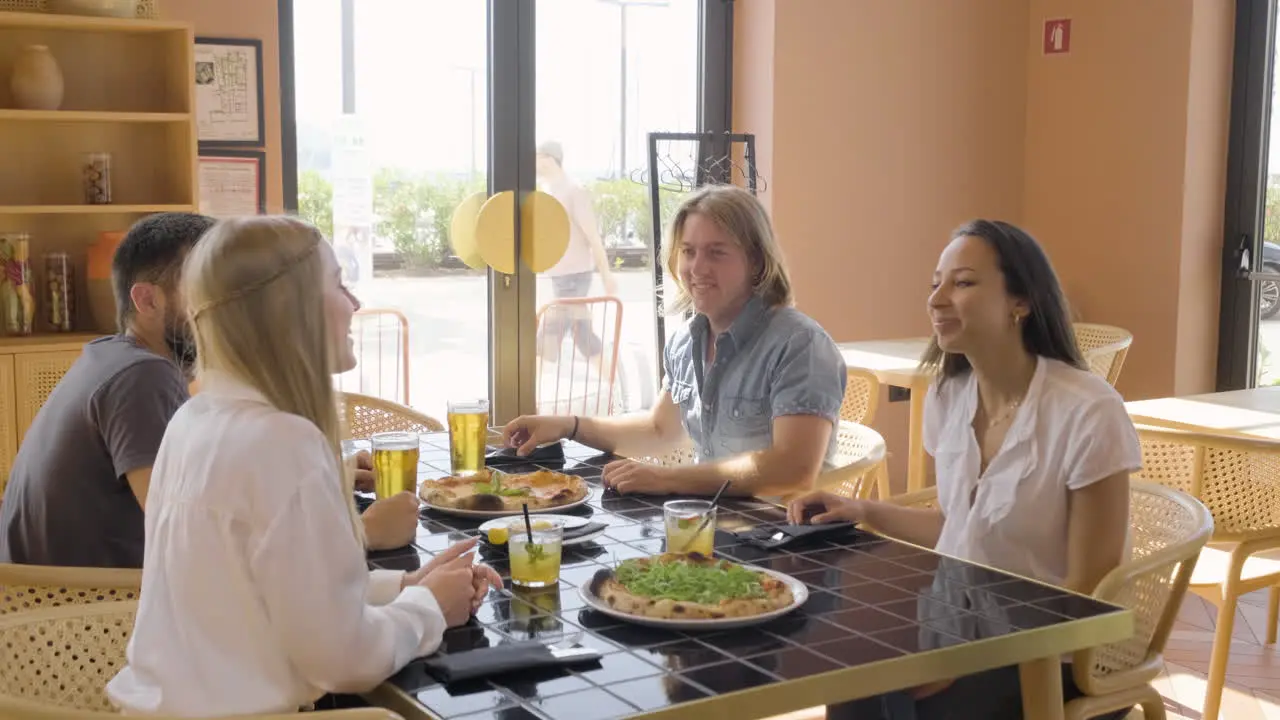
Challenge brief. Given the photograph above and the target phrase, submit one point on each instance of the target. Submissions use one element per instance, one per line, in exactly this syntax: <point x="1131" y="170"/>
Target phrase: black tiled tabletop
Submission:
<point x="871" y="600"/>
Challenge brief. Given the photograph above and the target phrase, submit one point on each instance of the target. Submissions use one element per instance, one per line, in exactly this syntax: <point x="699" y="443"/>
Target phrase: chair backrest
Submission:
<point x="57" y="661"/>
<point x="579" y="379"/>
<point x="859" y="451"/>
<point x="1104" y="348"/>
<point x="1168" y="530"/>
<point x="34" y="587"/>
<point x="381" y="344"/>
<point x="861" y="397"/>
<point x="364" y="416"/>
<point x="1236" y="477"/>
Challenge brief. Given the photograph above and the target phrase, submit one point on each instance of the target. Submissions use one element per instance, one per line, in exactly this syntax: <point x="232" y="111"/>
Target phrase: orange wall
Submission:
<point x="887" y="124"/>
<point x="1126" y="161"/>
<point x="254" y="19"/>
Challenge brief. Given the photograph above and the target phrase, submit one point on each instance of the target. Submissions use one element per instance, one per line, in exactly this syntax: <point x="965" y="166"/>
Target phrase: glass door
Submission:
<point x="1249" y="321"/>
<point x="391" y="112"/>
<point x="477" y="165"/>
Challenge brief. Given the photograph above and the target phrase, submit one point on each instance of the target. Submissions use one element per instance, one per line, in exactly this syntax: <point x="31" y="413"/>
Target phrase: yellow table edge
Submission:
<point x="867" y="680"/>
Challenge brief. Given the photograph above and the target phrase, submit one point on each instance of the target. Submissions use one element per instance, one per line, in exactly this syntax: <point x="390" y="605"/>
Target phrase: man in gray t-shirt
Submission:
<point x="78" y="485"/>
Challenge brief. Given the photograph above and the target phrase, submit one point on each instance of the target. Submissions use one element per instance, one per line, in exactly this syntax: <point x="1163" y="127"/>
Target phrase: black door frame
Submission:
<point x="1251" y="93"/>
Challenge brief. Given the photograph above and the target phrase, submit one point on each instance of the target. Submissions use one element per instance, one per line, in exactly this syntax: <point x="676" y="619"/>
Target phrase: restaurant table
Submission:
<point x="897" y="363"/>
<point x="1253" y="413"/>
<point x="881" y="616"/>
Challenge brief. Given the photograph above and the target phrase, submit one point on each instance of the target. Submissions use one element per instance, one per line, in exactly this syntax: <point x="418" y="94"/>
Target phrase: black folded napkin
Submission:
<point x="483" y="662"/>
<point x="553" y="453"/>
<point x="776" y="536"/>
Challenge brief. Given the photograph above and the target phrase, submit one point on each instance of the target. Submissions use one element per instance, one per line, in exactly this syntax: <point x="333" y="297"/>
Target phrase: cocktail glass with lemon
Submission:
<point x="686" y="530"/>
<point x="535" y="562"/>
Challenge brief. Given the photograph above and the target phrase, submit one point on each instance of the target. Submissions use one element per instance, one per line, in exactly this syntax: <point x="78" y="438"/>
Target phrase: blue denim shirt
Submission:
<point x="769" y="363"/>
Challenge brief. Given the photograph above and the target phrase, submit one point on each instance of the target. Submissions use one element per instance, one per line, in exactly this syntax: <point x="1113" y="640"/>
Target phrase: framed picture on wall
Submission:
<point x="232" y="183"/>
<point x="229" y="92"/>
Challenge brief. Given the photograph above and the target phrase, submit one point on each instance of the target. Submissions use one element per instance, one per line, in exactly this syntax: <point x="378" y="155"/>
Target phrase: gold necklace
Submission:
<point x="1005" y="414"/>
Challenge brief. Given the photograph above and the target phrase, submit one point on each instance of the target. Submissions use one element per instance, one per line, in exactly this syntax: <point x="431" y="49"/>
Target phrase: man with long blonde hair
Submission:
<point x="752" y="382"/>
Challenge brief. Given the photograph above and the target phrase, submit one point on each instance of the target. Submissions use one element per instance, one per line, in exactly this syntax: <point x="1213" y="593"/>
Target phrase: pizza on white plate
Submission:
<point x="676" y="586"/>
<point x="497" y="491"/>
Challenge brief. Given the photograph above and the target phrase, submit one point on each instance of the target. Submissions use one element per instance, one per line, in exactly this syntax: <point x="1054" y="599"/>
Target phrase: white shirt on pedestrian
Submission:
<point x="1070" y="431"/>
<point x="256" y="597"/>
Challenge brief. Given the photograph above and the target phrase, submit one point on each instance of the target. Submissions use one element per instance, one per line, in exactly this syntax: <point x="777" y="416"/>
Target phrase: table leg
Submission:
<point x="1041" y="689"/>
<point x="915" y="439"/>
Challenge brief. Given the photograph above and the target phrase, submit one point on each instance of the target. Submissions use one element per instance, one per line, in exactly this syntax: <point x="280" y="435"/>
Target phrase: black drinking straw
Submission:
<point x="528" y="525"/>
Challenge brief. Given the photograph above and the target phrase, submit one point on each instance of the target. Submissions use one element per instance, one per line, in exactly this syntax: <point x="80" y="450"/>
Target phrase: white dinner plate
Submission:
<point x="799" y="595"/>
<point x="459" y="512"/>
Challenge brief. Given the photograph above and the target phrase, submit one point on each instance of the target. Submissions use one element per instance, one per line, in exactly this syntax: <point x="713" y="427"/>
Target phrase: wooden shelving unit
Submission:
<point x="129" y="91"/>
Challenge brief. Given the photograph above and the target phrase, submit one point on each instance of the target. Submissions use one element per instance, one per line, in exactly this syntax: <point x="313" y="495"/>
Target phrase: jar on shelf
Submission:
<point x="60" y="294"/>
<point x="15" y="288"/>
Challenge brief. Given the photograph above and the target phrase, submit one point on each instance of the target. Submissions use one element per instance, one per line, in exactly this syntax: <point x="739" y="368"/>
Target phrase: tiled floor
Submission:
<point x="1253" y="673"/>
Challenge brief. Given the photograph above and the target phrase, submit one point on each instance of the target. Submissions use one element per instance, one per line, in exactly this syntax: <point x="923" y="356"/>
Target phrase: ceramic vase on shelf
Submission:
<point x="36" y="79"/>
<point x="102" y="301"/>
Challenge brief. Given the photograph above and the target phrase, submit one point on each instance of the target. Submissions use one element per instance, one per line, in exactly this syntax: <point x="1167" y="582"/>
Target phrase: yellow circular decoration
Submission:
<point x="544" y="231"/>
<point x="462" y="231"/>
<point x="496" y="232"/>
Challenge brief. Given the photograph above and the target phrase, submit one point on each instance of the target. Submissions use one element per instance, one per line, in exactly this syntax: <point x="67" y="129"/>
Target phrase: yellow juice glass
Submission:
<point x="468" y="429"/>
<point x="395" y="463"/>
<point x="683" y="520"/>
<point x="535" y="563"/>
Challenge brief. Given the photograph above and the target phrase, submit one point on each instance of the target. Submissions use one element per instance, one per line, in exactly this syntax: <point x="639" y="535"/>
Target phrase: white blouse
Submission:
<point x="1071" y="430"/>
<point x="256" y="597"/>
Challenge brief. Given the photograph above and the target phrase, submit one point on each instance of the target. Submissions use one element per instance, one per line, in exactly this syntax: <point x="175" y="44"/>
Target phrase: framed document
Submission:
<point x="231" y="183"/>
<point x="229" y="92"/>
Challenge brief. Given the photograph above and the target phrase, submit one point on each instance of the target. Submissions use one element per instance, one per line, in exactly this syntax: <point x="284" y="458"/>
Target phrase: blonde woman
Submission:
<point x="755" y="384"/>
<point x="255" y="593"/>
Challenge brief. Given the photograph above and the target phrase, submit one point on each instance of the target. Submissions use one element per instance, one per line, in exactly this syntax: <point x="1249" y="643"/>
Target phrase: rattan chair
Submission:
<point x="364" y="416"/>
<point x="861" y="397"/>
<point x="1104" y="348"/>
<point x="1238" y="479"/>
<point x="35" y="587"/>
<point x="55" y="664"/>
<point x="859" y="463"/>
<point x="1169" y="529"/>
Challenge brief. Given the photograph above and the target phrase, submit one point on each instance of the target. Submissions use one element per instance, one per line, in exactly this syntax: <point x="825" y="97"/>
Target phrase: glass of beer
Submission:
<point x="395" y="463"/>
<point x="535" y="563"/>
<point x="468" y="429"/>
<point x="686" y="532"/>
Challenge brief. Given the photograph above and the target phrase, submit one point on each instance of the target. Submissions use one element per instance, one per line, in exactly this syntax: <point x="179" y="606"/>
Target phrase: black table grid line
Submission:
<point x="873" y="602"/>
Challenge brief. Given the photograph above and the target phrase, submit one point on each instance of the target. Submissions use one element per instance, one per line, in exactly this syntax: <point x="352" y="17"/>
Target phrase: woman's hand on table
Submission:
<point x="630" y="476"/>
<point x="450" y="577"/>
<point x="364" y="475"/>
<point x="482" y="576"/>
<point x="818" y="508"/>
<point x="527" y="432"/>
<point x="391" y="522"/>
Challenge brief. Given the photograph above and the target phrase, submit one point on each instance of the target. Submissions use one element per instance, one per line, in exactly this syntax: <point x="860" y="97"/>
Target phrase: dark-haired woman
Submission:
<point x="1031" y="452"/>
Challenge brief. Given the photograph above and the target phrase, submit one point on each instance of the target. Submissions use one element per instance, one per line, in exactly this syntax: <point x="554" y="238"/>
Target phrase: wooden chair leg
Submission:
<point x="1273" y="607"/>
<point x="1218" y="658"/>
<point x="1152" y="705"/>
